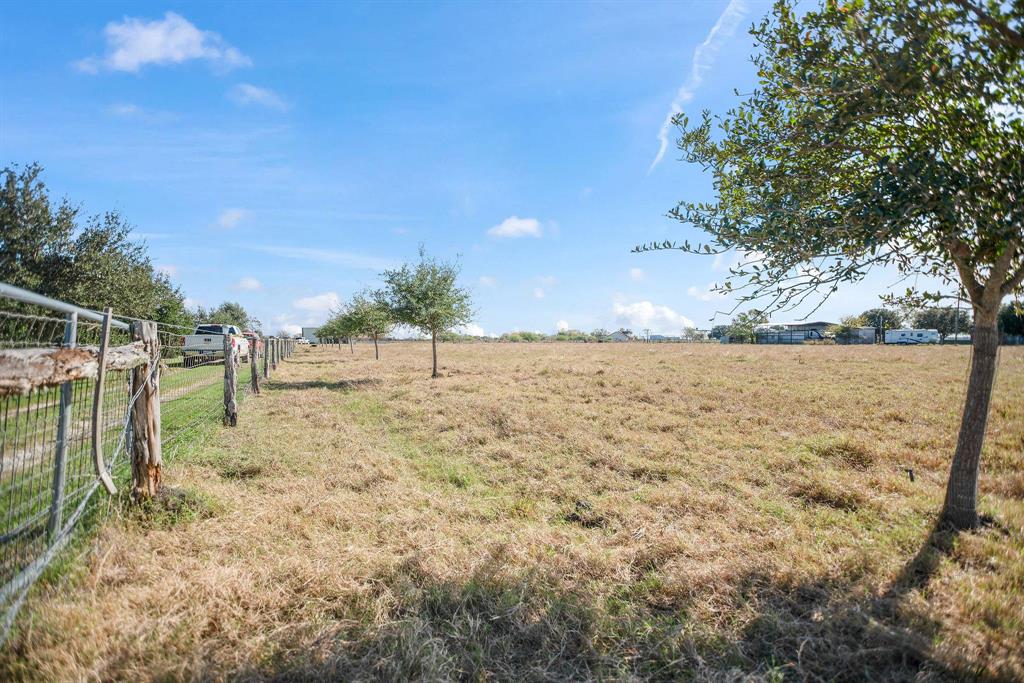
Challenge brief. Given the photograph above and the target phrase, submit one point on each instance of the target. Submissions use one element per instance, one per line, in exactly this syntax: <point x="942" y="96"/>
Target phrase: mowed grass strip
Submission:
<point x="552" y="512"/>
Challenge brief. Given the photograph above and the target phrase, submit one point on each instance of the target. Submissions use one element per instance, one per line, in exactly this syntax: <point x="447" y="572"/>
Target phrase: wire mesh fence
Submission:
<point x="58" y="437"/>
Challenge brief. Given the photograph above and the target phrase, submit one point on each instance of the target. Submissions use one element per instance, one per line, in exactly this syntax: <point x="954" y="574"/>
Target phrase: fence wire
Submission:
<point x="47" y="472"/>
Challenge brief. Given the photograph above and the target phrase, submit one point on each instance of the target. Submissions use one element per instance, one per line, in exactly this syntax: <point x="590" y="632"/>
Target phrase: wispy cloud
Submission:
<point x="514" y="226"/>
<point x="248" y="284"/>
<point x="246" y="94"/>
<point x="487" y="281"/>
<point x="167" y="269"/>
<point x="230" y="218"/>
<point x="538" y="292"/>
<point x="703" y="59"/>
<point x="636" y="273"/>
<point x="709" y="293"/>
<point x="134" y="43"/>
<point x="329" y="256"/>
<point x="562" y="326"/>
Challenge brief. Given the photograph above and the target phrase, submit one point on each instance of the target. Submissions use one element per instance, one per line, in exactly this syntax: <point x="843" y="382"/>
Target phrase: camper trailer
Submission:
<point x="911" y="336"/>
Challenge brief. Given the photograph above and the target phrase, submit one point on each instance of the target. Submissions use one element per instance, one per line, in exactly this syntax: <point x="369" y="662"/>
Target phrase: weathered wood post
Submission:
<point x="230" y="385"/>
<point x="266" y="355"/>
<point x="273" y="353"/>
<point x="254" y="356"/>
<point x="146" y="452"/>
<point x="53" y="524"/>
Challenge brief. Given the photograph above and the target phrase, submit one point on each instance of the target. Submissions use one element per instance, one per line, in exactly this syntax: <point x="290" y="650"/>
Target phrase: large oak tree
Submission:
<point x="881" y="133"/>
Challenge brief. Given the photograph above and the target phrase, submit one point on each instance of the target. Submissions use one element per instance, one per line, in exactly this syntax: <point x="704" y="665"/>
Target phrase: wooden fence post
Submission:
<point x="266" y="355"/>
<point x="146" y="452"/>
<point x="254" y="356"/>
<point x="230" y="385"/>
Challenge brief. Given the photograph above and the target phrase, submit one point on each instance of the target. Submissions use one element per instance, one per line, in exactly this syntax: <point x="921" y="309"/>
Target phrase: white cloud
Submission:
<point x="636" y="273"/>
<point x="290" y="329"/>
<point x="329" y="256"/>
<point x="487" y="281"/>
<point x="246" y="94"/>
<point x="703" y="59"/>
<point x="513" y="226"/>
<point x="134" y="43"/>
<point x="643" y="315"/>
<point x="318" y="303"/>
<point x="706" y="294"/>
<point x="561" y="326"/>
<point x="189" y="302"/>
<point x="538" y="292"/>
<point x="167" y="269"/>
<point x="472" y="329"/>
<point x="230" y="218"/>
<point x="124" y="109"/>
<point x="248" y="284"/>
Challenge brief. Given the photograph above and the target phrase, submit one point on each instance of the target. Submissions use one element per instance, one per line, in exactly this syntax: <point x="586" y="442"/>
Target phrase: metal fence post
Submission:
<point x="63" y="429"/>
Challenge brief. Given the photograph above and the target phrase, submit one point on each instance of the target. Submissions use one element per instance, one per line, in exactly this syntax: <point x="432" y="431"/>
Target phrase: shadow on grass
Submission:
<point x="492" y="626"/>
<point x="342" y="385"/>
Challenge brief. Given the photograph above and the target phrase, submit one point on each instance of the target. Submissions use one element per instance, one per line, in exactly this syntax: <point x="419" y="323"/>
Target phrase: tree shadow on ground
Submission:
<point x="342" y="385"/>
<point x="496" y="626"/>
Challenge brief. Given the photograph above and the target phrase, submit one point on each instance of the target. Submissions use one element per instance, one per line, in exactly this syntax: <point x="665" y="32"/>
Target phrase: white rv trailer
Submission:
<point x="911" y="336"/>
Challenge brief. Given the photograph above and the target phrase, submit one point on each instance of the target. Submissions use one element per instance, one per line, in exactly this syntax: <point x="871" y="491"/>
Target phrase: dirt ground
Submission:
<point x="562" y="511"/>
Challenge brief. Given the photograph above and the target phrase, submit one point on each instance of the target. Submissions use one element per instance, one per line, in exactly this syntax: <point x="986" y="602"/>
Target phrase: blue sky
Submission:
<point x="283" y="155"/>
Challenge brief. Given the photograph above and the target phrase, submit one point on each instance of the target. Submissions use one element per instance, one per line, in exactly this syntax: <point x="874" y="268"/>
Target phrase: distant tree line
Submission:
<point x="50" y="247"/>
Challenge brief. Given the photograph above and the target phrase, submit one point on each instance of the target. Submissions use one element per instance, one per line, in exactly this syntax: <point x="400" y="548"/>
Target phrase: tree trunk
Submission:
<point x="351" y="346"/>
<point x="376" y="351"/>
<point x="433" y="344"/>
<point x="961" y="507"/>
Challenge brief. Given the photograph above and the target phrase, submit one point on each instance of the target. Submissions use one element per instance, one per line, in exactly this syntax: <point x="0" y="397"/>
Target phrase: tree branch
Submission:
<point x="1012" y="37"/>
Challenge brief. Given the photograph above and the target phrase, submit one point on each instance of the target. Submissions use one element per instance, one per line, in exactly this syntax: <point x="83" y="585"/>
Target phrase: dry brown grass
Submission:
<point x="545" y="512"/>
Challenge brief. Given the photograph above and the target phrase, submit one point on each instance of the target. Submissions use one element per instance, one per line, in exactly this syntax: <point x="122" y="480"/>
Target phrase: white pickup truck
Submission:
<point x="208" y="340"/>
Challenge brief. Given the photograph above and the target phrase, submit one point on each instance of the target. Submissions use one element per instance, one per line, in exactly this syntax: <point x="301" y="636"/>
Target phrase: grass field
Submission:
<point x="551" y="512"/>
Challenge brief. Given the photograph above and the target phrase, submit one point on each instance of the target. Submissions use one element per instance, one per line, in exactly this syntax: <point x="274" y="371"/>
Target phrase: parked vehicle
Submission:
<point x="905" y="337"/>
<point x="208" y="340"/>
<point x="254" y="339"/>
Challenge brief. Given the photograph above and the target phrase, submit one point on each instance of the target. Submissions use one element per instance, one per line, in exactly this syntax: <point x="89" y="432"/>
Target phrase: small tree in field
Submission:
<point x="743" y="325"/>
<point x="426" y="297"/>
<point x="847" y="328"/>
<point x="881" y="133"/>
<point x="372" y="316"/>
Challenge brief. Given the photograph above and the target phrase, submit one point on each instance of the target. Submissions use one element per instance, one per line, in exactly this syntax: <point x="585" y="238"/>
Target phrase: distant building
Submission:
<point x="790" y="333"/>
<point x="309" y="333"/>
<point x="619" y="336"/>
<point x="858" y="335"/>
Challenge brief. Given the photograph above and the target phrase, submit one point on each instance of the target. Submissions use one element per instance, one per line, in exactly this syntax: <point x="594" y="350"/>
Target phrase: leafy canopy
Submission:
<point x="946" y="320"/>
<point x="881" y="132"/>
<point x="883" y="317"/>
<point x="426" y="296"/>
<point x="370" y="314"/>
<point x="46" y="247"/>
